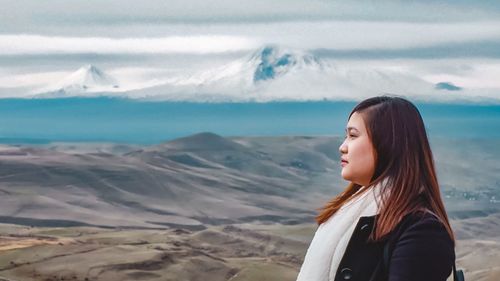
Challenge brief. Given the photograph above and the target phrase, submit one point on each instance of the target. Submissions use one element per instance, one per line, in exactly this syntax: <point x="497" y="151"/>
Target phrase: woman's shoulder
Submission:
<point x="420" y="226"/>
<point x="422" y="216"/>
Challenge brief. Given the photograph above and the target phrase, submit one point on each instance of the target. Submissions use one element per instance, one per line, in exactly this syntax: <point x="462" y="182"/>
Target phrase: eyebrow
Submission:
<point x="351" y="128"/>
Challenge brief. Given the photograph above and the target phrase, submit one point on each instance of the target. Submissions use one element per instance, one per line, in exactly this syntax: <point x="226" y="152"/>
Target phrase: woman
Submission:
<point x="392" y="203"/>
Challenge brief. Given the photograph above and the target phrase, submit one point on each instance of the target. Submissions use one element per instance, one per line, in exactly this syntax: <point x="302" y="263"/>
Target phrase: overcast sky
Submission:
<point x="22" y="14"/>
<point x="208" y="26"/>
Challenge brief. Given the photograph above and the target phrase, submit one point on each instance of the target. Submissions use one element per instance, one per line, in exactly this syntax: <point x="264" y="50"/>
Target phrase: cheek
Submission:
<point x="362" y="160"/>
<point x="362" y="150"/>
<point x="362" y="155"/>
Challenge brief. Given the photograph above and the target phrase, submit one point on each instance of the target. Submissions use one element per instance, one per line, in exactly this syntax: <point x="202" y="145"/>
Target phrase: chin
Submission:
<point x="346" y="176"/>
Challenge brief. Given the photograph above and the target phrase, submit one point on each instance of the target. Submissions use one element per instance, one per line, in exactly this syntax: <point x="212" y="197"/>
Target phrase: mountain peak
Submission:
<point x="268" y="63"/>
<point x="273" y="61"/>
<point x="89" y="76"/>
<point x="87" y="79"/>
<point x="447" y="86"/>
<point x="203" y="141"/>
<point x="90" y="68"/>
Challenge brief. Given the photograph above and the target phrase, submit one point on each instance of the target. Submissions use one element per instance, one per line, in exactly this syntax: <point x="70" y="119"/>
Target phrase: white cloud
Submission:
<point x="220" y="38"/>
<point x="202" y="44"/>
<point x="478" y="76"/>
<point x="364" y="35"/>
<point x="30" y="79"/>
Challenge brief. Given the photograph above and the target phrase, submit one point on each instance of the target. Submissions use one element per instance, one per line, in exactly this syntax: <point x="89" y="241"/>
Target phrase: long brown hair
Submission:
<point x="403" y="157"/>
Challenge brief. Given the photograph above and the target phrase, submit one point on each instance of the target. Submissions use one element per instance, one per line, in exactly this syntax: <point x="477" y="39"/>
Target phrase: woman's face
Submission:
<point x="357" y="153"/>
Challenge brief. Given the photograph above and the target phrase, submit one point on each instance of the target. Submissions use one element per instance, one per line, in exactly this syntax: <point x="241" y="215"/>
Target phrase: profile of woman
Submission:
<point x="392" y="203"/>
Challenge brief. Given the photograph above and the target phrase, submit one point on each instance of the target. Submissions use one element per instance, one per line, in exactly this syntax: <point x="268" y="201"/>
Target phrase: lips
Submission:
<point x="343" y="161"/>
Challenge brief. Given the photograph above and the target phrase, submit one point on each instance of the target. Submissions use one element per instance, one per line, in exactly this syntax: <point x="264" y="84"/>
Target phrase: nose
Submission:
<point x="343" y="148"/>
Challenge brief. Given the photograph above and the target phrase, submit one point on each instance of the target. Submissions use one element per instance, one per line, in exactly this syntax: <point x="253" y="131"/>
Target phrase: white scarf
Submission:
<point x="330" y="240"/>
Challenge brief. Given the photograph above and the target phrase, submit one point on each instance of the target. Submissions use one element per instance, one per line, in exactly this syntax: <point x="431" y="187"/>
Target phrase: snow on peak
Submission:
<point x="272" y="61"/>
<point x="267" y="64"/>
<point x="87" y="77"/>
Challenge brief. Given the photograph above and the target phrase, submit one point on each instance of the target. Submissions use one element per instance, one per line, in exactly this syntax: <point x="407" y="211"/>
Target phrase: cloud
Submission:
<point x="23" y="15"/>
<point x="473" y="49"/>
<point x="362" y="38"/>
<point x="203" y="44"/>
<point x="29" y="79"/>
<point x="479" y="76"/>
<point x="364" y="35"/>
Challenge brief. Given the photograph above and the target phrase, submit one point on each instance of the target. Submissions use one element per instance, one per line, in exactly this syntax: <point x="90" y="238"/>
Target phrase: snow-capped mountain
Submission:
<point x="276" y="73"/>
<point x="87" y="79"/>
<point x="244" y="79"/>
<point x="268" y="63"/>
<point x="271" y="73"/>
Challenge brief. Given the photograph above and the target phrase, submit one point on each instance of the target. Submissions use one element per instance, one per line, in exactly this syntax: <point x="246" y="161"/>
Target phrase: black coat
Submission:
<point x="420" y="250"/>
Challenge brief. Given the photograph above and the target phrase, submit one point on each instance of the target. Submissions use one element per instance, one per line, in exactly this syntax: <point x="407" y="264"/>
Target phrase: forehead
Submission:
<point x="356" y="123"/>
